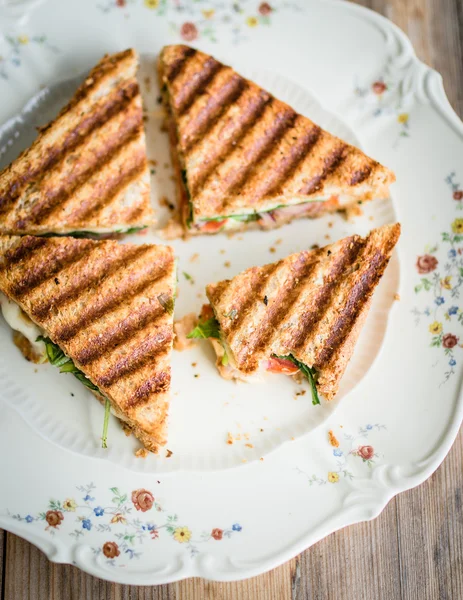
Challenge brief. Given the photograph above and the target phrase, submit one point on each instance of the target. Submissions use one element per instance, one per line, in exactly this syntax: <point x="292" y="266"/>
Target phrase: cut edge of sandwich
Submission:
<point x="273" y="212"/>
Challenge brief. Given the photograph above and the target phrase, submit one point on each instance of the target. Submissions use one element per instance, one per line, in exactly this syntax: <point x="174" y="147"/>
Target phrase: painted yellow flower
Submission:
<point x="333" y="477"/>
<point x="251" y="21"/>
<point x="457" y="226"/>
<point x="70" y="504"/>
<point x="23" y="39"/>
<point x="151" y="3"/>
<point x="182" y="534"/>
<point x="209" y="13"/>
<point x="118" y="518"/>
<point x="446" y="282"/>
<point x="435" y="328"/>
<point x="402" y="118"/>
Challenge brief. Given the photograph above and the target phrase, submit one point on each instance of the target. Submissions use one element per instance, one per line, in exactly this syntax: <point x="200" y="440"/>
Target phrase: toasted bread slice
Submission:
<point x="108" y="307"/>
<point x="87" y="170"/>
<point x="243" y="158"/>
<point x="310" y="306"/>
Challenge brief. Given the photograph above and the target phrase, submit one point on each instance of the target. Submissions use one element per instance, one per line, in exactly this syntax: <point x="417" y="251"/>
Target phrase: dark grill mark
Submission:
<point x="88" y="277"/>
<point x="135" y="284"/>
<point x="173" y="70"/>
<point x="282" y="171"/>
<point x="360" y="175"/>
<point x="332" y="162"/>
<point x="261" y="148"/>
<point x="157" y="384"/>
<point x="51" y="265"/>
<point x="358" y="296"/>
<point x="58" y="197"/>
<point x="262" y="276"/>
<point x="107" y="191"/>
<point x="51" y="156"/>
<point x="215" y="106"/>
<point x="222" y="148"/>
<point x="120" y="333"/>
<point x="195" y="85"/>
<point x="321" y="303"/>
<point x="151" y="349"/>
<point x="26" y="246"/>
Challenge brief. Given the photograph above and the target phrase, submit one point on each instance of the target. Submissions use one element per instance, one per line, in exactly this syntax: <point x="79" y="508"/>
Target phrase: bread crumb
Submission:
<point x="261" y="430"/>
<point x="246" y="436"/>
<point x="196" y="375"/>
<point x="240" y="237"/>
<point x="272" y="250"/>
<point x="330" y="224"/>
<point x="164" y="201"/>
<point x="327" y="236"/>
<point x="238" y="437"/>
<point x="194" y="257"/>
<point x="168" y="453"/>
<point x="141" y="453"/>
<point x="229" y="438"/>
<point x="222" y="251"/>
<point x="244" y="460"/>
<point x="194" y="364"/>
<point x="333" y="440"/>
<point x="153" y="162"/>
<point x="261" y="458"/>
<point x="292" y="439"/>
<point x="314" y="247"/>
<point x="278" y="241"/>
<point x="227" y="263"/>
<point x="126" y="429"/>
<point x="249" y="445"/>
<point x="371" y="218"/>
<point x="397" y="297"/>
<point x="166" y="165"/>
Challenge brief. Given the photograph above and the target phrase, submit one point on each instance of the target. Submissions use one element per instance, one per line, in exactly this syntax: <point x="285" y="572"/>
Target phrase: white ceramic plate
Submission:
<point x="231" y="511"/>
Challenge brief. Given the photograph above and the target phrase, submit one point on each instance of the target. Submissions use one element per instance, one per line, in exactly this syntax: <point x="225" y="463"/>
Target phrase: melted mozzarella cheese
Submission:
<point x="19" y="321"/>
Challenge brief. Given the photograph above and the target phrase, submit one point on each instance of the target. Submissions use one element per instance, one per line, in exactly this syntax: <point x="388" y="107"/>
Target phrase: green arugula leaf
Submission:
<point x="309" y="374"/>
<point x="205" y="329"/>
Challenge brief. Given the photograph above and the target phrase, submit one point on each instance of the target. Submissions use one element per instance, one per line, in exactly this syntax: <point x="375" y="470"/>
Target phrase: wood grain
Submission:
<point x="412" y="551"/>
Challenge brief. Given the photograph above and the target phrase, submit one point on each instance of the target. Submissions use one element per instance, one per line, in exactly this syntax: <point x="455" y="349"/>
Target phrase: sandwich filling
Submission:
<point x="208" y="327"/>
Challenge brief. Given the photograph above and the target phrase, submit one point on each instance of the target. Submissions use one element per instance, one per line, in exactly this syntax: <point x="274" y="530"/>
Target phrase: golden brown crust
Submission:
<point x="311" y="304"/>
<point x="107" y="306"/>
<point x="87" y="169"/>
<point x="243" y="150"/>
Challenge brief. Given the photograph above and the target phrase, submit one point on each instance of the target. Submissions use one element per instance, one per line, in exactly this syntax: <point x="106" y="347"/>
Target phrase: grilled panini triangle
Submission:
<point x="240" y="151"/>
<point x="310" y="305"/>
<point x="108" y="307"/>
<point x="87" y="170"/>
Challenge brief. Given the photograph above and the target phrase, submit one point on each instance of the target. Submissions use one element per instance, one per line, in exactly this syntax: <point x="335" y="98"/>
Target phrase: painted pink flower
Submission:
<point x="111" y="549"/>
<point x="458" y="195"/>
<point x="426" y="263"/>
<point x="120" y="3"/>
<point x="265" y="8"/>
<point x="217" y="534"/>
<point x="449" y="340"/>
<point x="54" y="518"/>
<point x="366" y="452"/>
<point x="379" y="87"/>
<point x="142" y="499"/>
<point x="189" y="32"/>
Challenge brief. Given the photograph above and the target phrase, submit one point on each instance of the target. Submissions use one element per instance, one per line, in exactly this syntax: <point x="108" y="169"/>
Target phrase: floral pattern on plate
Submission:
<point x="351" y="446"/>
<point x="203" y="19"/>
<point x="15" y="46"/>
<point x="441" y="270"/>
<point x="120" y="522"/>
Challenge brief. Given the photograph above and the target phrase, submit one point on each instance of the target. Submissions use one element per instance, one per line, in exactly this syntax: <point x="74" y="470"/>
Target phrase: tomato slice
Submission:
<point x="212" y="226"/>
<point x="206" y="312"/>
<point x="281" y="365"/>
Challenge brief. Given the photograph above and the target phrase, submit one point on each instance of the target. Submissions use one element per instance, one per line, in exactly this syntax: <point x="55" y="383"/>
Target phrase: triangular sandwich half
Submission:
<point x="303" y="313"/>
<point x="105" y="312"/>
<point x="87" y="171"/>
<point x="243" y="158"/>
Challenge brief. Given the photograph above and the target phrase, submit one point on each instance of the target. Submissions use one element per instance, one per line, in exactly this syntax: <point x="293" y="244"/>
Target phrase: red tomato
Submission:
<point x="281" y="365"/>
<point x="206" y="312"/>
<point x="212" y="226"/>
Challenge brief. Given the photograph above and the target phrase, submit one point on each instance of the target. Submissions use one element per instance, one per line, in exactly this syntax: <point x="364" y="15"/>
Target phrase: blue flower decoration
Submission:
<point x="439" y="300"/>
<point x="148" y="526"/>
<point x="369" y="427"/>
<point x="452" y="253"/>
<point x="453" y="310"/>
<point x="427" y="312"/>
<point x="88" y="498"/>
<point x="29" y="519"/>
<point x="452" y="362"/>
<point x="98" y="511"/>
<point x="236" y="527"/>
<point x="337" y="452"/>
<point x="86" y="524"/>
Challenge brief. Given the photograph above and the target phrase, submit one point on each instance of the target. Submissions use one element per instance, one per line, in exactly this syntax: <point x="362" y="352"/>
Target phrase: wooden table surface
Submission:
<point x="414" y="549"/>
